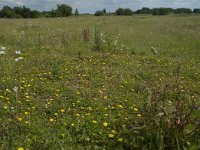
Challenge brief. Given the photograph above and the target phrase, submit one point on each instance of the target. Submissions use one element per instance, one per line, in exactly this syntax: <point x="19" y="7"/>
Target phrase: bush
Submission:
<point x="99" y="13"/>
<point x="7" y="12"/>
<point x="119" y="11"/>
<point x="196" y="10"/>
<point x="64" y="10"/>
<point x="122" y="11"/>
<point x="182" y="10"/>
<point x="161" y="11"/>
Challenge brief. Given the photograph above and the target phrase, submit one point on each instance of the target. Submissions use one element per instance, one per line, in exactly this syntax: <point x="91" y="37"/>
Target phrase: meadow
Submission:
<point x="93" y="83"/>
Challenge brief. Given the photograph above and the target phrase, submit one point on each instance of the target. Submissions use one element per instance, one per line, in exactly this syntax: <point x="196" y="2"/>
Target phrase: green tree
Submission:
<point x="144" y="10"/>
<point x="196" y="10"/>
<point x="7" y="12"/>
<point x="182" y="10"/>
<point x="161" y="11"/>
<point x="23" y="12"/>
<point x="104" y="11"/>
<point x="99" y="13"/>
<point x="35" y="14"/>
<point x="128" y="12"/>
<point x="76" y="13"/>
<point x="64" y="10"/>
<point x="119" y="11"/>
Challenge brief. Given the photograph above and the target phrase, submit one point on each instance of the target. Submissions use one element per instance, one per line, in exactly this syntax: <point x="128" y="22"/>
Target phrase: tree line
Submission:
<point x="65" y="10"/>
<point x="146" y="10"/>
<point x="62" y="10"/>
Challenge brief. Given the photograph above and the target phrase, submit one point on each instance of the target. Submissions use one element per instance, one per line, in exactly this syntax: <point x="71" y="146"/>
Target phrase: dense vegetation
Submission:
<point x="65" y="10"/>
<point x="100" y="83"/>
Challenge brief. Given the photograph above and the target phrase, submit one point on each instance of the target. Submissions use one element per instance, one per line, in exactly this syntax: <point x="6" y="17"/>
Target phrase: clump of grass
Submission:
<point x="86" y="34"/>
<point x="97" y="41"/>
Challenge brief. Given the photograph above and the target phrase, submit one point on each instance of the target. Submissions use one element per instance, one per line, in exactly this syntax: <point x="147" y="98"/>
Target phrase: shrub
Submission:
<point x="99" y="13"/>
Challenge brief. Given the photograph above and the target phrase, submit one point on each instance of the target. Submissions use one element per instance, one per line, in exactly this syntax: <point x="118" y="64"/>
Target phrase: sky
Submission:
<point x="90" y="6"/>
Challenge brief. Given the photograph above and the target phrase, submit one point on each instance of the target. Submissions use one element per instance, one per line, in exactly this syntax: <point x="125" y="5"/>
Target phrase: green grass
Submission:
<point x="122" y="96"/>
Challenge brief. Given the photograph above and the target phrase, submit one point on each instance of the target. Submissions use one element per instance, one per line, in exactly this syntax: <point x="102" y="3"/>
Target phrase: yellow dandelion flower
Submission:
<point x="94" y="121"/>
<point x="51" y="120"/>
<point x="62" y="110"/>
<point x="5" y="107"/>
<point x="120" y="140"/>
<point x="120" y="106"/>
<point x="20" y="148"/>
<point x="2" y="97"/>
<point x="110" y="135"/>
<point x="105" y="97"/>
<point x="135" y="109"/>
<point x="26" y="93"/>
<point x="78" y="115"/>
<point x="105" y="124"/>
<point x="27" y="96"/>
<point x="113" y="131"/>
<point x="26" y="113"/>
<point x="139" y="115"/>
<point x="19" y="119"/>
<point x="72" y="124"/>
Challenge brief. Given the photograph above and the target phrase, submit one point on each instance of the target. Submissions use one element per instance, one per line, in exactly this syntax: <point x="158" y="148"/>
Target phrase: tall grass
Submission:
<point x="64" y="94"/>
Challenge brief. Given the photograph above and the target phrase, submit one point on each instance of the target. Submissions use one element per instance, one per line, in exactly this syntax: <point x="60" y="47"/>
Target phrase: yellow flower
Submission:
<point x="19" y="119"/>
<point x="27" y="96"/>
<point x="94" y="121"/>
<point x="105" y="124"/>
<point x="20" y="148"/>
<point x="51" y="120"/>
<point x="105" y="97"/>
<point x="26" y="113"/>
<point x="120" y="140"/>
<point x="110" y="135"/>
<point x="72" y="124"/>
<point x="135" y="109"/>
<point x="114" y="132"/>
<point x="62" y="110"/>
<point x="2" y="97"/>
<point x="139" y="115"/>
<point x="78" y="115"/>
<point x="120" y="106"/>
<point x="5" y="107"/>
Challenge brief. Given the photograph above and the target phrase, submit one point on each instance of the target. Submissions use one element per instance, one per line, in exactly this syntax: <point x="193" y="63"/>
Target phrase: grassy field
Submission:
<point x="94" y="83"/>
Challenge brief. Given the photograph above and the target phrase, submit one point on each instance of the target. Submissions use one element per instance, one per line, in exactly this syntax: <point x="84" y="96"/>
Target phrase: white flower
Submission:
<point x="19" y="58"/>
<point x="3" y="48"/>
<point x="15" y="88"/>
<point x="18" y="52"/>
<point x="2" y="52"/>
